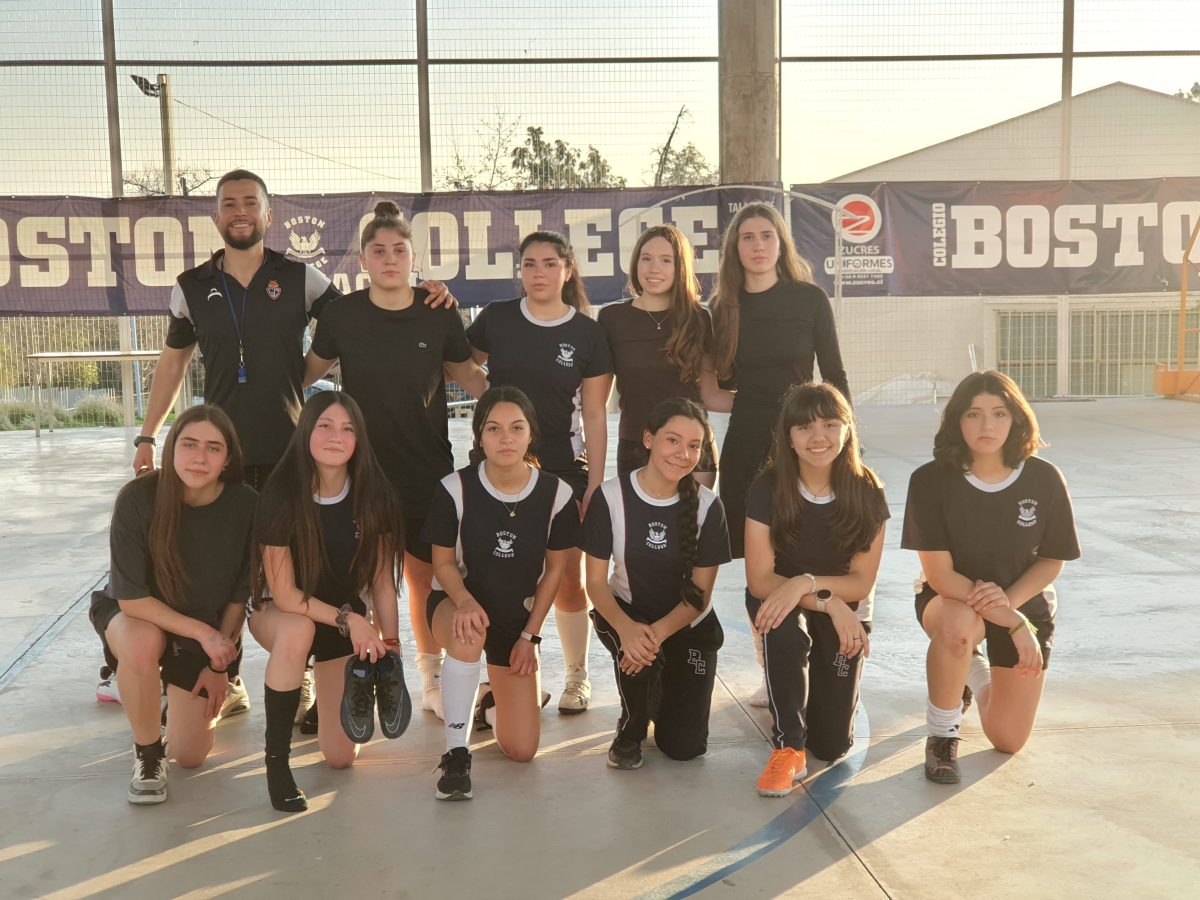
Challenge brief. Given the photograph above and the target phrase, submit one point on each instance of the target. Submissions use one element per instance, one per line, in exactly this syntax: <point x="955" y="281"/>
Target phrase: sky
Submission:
<point x="332" y="128"/>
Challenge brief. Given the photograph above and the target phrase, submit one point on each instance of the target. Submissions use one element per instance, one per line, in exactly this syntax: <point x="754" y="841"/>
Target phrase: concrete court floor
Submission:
<point x="1099" y="804"/>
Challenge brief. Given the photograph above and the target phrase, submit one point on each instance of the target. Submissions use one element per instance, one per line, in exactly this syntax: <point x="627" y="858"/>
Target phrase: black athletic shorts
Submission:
<point x="413" y="544"/>
<point x="633" y="455"/>
<point x="181" y="662"/>
<point x="328" y="643"/>
<point x="1001" y="651"/>
<point x="576" y="477"/>
<point x="497" y="644"/>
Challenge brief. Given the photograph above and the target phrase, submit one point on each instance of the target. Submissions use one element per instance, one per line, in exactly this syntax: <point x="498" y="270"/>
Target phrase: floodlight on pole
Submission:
<point x="162" y="90"/>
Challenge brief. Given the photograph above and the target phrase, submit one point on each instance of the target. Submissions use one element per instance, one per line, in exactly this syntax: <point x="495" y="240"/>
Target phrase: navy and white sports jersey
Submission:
<point x="500" y="540"/>
<point x="641" y="536"/>
<point x="548" y="361"/>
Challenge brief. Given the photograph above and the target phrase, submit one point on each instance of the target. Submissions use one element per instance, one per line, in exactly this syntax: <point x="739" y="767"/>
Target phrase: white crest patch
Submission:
<point x="656" y="538"/>
<point x="504" y="545"/>
<point x="566" y="356"/>
<point x="1027" y="513"/>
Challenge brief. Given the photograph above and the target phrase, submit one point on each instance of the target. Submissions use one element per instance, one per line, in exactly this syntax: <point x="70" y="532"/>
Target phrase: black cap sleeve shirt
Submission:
<point x="641" y="536"/>
<point x="339" y="531"/>
<point x="280" y="299"/>
<point x="214" y="544"/>
<point x="500" y="540"/>
<point x="391" y="363"/>
<point x="815" y="552"/>
<point x="548" y="361"/>
<point x="993" y="532"/>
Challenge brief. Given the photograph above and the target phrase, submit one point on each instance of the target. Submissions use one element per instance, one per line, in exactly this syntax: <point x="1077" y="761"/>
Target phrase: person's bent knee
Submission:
<point x="955" y="638"/>
<point x="340" y="759"/>
<point x="189" y="759"/>
<point x="521" y="752"/>
<point x="680" y="750"/>
<point x="1006" y="742"/>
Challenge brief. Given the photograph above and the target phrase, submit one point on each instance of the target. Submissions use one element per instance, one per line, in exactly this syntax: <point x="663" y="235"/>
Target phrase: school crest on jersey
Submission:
<point x="274" y="291"/>
<point x="504" y="545"/>
<point x="656" y="536"/>
<point x="566" y="355"/>
<point x="1027" y="513"/>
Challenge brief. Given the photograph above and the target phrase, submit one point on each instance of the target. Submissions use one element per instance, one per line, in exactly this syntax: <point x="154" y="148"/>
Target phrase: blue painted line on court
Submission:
<point x="807" y="807"/>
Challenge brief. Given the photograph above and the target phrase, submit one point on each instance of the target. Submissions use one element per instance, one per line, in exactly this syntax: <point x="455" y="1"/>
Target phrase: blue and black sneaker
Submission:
<point x="358" y="700"/>
<point x="391" y="695"/>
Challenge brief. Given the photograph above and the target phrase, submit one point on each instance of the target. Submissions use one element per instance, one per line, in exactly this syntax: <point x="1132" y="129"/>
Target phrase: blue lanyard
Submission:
<point x="237" y="324"/>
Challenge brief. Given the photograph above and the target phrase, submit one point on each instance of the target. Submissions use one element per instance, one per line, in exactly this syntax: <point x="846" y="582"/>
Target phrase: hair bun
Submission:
<point x="386" y="209"/>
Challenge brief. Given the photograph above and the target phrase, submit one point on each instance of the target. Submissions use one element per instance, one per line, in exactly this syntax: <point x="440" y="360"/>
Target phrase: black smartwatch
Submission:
<point x="534" y="639"/>
<point x="143" y="439"/>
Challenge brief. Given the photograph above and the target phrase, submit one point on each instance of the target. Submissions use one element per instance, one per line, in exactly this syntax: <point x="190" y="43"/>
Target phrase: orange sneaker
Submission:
<point x="784" y="769"/>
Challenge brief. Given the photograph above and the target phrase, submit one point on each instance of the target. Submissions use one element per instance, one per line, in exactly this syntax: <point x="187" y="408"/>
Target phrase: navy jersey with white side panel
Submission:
<point x="993" y="532"/>
<point x="500" y="540"/>
<point x="641" y="535"/>
<point x="815" y="552"/>
<point x="548" y="361"/>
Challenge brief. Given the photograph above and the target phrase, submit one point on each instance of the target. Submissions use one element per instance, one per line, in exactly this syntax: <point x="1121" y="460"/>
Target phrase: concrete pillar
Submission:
<point x="748" y="73"/>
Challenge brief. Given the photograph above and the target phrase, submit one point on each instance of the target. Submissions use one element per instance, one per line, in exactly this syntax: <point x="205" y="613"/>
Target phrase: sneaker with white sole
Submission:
<point x="577" y="695"/>
<point x="237" y="699"/>
<point x="759" y="698"/>
<point x="149" y="782"/>
<point x="308" y="696"/>
<point x="107" y="690"/>
<point x="455" y="780"/>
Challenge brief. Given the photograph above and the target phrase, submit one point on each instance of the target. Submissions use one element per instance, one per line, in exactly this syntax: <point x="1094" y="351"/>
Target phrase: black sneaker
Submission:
<point x="455" y="781"/>
<point x="309" y="725"/>
<point x="358" y="700"/>
<point x="625" y="754"/>
<point x="941" y="760"/>
<point x="391" y="695"/>
<point x="486" y="701"/>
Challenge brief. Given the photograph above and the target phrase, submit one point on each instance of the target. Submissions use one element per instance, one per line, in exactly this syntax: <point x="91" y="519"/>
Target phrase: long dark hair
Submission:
<point x="504" y="393"/>
<point x="574" y="292"/>
<point x="950" y="448"/>
<point x="861" y="505"/>
<point x="689" y="493"/>
<point x="162" y="539"/>
<point x="686" y="347"/>
<point x="731" y="279"/>
<point x="289" y="508"/>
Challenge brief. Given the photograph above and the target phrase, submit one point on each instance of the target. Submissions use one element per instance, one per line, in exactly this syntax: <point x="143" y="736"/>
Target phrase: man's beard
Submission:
<point x="255" y="237"/>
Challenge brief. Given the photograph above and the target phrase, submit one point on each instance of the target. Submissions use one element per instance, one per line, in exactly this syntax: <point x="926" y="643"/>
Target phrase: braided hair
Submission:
<point x="689" y="494"/>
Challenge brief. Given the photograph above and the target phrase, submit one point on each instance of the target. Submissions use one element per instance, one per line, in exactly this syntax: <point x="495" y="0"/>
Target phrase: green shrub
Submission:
<point x="17" y="415"/>
<point x="102" y="411"/>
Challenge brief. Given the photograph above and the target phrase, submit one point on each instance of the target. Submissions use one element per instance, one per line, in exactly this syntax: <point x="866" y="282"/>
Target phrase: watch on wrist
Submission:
<point x="534" y="639"/>
<point x="144" y="439"/>
<point x="340" y="622"/>
<point x="823" y="597"/>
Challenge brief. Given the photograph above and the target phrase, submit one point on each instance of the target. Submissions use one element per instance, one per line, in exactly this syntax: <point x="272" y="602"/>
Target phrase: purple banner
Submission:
<point x="1001" y="238"/>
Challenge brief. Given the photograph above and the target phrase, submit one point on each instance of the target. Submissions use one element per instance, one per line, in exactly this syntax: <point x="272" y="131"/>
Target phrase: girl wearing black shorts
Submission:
<point x="546" y="345"/>
<point x="501" y="530"/>
<point x="992" y="524"/>
<point x="328" y="531"/>
<point x="397" y="353"/>
<point x="661" y="341"/>
<point x="665" y="535"/>
<point x="814" y="537"/>
<point x="176" y="597"/>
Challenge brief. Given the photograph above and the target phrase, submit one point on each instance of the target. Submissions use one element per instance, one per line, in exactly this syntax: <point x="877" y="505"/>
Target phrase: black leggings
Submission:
<point x="747" y="445"/>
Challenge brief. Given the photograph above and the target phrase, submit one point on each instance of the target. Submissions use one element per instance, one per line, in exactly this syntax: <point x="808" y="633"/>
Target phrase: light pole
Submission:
<point x="162" y="90"/>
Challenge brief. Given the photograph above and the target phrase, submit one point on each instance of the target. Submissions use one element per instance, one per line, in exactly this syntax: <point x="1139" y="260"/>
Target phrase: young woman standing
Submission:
<point x="992" y="525"/>
<point x="501" y="531"/>
<point x="397" y="353"/>
<point x="546" y="345"/>
<point x="176" y="597"/>
<point x="329" y="530"/>
<point x="814" y="537"/>
<point x="665" y="536"/>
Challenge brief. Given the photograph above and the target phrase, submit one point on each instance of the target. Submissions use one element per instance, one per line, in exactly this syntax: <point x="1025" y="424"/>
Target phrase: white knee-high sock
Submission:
<point x="574" y="632"/>
<point x="979" y="675"/>
<point x="460" y="682"/>
<point x="943" y="722"/>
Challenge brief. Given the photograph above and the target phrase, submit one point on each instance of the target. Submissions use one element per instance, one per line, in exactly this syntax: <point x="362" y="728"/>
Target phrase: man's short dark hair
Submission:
<point x="242" y="175"/>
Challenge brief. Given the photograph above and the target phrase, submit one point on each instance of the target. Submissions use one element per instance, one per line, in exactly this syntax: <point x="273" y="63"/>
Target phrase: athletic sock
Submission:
<point x="460" y="683"/>
<point x="758" y="645"/>
<point x="979" y="675"/>
<point x="155" y="749"/>
<point x="280" y="707"/>
<point x="943" y="722"/>
<point x="281" y="786"/>
<point x="490" y="715"/>
<point x="574" y="632"/>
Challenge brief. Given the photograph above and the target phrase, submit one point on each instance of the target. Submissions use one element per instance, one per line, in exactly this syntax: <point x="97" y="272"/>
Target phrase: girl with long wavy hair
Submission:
<point x="545" y="344"/>
<point x="174" y="606"/>
<point x="663" y="535"/>
<point x="814" y="537"/>
<point x="329" y="532"/>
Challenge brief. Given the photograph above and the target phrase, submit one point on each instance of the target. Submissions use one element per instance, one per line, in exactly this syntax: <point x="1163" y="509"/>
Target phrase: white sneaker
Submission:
<point x="759" y="698"/>
<point x="577" y="694"/>
<point x="308" y="696"/>
<point x="237" y="700"/>
<point x="106" y="690"/>
<point x="149" y="782"/>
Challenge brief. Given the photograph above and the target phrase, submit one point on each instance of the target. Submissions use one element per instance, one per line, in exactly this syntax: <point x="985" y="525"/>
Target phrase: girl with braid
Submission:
<point x="665" y="535"/>
<point x="814" y="536"/>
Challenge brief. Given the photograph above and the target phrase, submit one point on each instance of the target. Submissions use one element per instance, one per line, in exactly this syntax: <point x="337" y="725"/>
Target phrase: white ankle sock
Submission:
<point x="574" y="632"/>
<point x="979" y="675"/>
<point x="758" y="654"/>
<point x="943" y="722"/>
<point x="460" y="682"/>
<point x="490" y="715"/>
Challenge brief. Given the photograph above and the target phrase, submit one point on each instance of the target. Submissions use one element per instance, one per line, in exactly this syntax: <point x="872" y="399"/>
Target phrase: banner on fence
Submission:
<point x="80" y="256"/>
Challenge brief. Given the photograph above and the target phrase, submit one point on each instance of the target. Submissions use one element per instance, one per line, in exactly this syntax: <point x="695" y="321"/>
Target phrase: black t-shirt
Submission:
<point x="641" y="536"/>
<point x="280" y="299"/>
<point x="392" y="365"/>
<point x="548" y="361"/>
<point x="501" y="555"/>
<point x="994" y="532"/>
<point x="815" y="552"/>
<point x="214" y="545"/>
<point x="645" y="376"/>
<point x="335" y="585"/>
<point x="781" y="331"/>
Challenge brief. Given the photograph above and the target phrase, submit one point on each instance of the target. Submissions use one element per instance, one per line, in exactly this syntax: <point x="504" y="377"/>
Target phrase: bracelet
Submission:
<point x="223" y="671"/>
<point x="391" y="642"/>
<point x="340" y="622"/>
<point x="812" y="580"/>
<point x="1024" y="623"/>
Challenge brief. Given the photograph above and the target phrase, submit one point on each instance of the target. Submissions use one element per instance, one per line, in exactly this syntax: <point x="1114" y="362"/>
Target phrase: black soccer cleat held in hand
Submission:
<point x="358" y="700"/>
<point x="391" y="695"/>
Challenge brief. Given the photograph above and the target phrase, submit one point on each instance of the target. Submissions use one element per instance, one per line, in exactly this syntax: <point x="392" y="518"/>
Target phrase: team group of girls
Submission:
<point x="366" y="490"/>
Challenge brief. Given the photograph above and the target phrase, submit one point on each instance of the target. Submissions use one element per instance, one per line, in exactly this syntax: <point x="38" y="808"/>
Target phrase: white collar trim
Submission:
<point x="330" y="501"/>
<point x="653" y="501"/>
<point x="508" y="498"/>
<point x="546" y="323"/>
<point x="999" y="485"/>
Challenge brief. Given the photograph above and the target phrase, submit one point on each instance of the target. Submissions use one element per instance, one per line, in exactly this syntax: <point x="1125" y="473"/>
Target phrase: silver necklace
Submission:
<point x="658" y="323"/>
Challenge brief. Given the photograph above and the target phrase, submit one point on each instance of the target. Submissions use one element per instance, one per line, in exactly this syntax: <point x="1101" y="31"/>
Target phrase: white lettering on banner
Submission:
<point x="630" y="225"/>
<point x="145" y="258"/>
<point x="5" y="266"/>
<point x="99" y="232"/>
<point x="57" y="271"/>
<point x="685" y="219"/>
<point x="528" y="221"/>
<point x="1127" y="216"/>
<point x="1083" y="238"/>
<point x="938" y="223"/>
<point x="977" y="237"/>
<point x="446" y="265"/>
<point x="341" y="281"/>
<point x="479" y="264"/>
<point x="1175" y="233"/>
<point x="1028" y="231"/>
<point x="579" y="224"/>
<point x="206" y="240"/>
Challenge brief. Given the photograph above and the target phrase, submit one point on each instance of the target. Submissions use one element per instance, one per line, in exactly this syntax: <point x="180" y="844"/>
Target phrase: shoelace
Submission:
<point x="362" y="702"/>
<point x="779" y="763"/>
<point x="946" y="749"/>
<point x="151" y="767"/>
